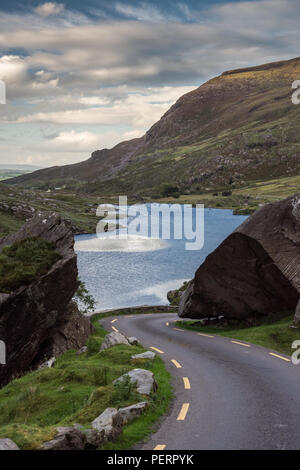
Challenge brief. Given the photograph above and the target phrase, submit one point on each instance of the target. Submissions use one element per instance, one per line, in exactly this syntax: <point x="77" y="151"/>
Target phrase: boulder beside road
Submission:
<point x="254" y="272"/>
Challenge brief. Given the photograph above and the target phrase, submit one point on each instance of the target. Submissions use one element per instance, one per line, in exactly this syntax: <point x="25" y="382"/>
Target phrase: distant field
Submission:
<point x="6" y="174"/>
<point x="246" y="199"/>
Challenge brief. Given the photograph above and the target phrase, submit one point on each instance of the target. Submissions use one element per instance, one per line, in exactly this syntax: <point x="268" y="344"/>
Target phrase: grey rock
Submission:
<point x="133" y="341"/>
<point x="67" y="438"/>
<point x="144" y="355"/>
<point x="296" y="321"/>
<point x="82" y="350"/>
<point x="131" y="412"/>
<point x="143" y="379"/>
<point x="93" y="438"/>
<point x="109" y="423"/>
<point x="48" y="364"/>
<point x="8" y="444"/>
<point x="112" y="339"/>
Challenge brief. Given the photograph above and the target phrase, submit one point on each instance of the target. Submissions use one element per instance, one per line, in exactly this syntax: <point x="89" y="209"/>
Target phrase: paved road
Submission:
<point x="240" y="396"/>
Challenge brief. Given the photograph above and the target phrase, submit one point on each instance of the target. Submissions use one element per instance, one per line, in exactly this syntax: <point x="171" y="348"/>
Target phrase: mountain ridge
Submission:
<point x="238" y="126"/>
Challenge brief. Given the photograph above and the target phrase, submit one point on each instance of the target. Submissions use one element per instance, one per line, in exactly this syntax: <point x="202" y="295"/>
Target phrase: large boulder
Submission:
<point x="254" y="272"/>
<point x="38" y="321"/>
<point x="143" y="379"/>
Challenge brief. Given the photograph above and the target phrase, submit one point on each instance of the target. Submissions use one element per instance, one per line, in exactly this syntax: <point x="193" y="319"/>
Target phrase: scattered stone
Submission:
<point x="93" y="438"/>
<point x="48" y="364"/>
<point x="82" y="350"/>
<point x="144" y="355"/>
<point x="133" y="341"/>
<point x="109" y="422"/>
<point x="67" y="438"/>
<point x="8" y="444"/>
<point x="131" y="412"/>
<point x="112" y="339"/>
<point x="142" y="378"/>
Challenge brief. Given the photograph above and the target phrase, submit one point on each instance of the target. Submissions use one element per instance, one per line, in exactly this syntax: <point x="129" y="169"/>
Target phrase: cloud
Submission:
<point x="81" y="75"/>
<point x="143" y="12"/>
<point x="137" y="109"/>
<point x="72" y="141"/>
<point x="49" y="9"/>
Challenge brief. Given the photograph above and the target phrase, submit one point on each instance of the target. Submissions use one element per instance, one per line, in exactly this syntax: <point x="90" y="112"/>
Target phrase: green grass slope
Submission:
<point x="275" y="334"/>
<point x="76" y="390"/>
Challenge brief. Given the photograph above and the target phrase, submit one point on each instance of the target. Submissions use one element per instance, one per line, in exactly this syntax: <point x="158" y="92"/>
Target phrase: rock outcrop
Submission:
<point x="39" y="321"/>
<point x="254" y="272"/>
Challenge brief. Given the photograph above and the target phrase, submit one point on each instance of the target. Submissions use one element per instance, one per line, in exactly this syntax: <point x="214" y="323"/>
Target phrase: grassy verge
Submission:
<point x="276" y="335"/>
<point x="76" y="390"/>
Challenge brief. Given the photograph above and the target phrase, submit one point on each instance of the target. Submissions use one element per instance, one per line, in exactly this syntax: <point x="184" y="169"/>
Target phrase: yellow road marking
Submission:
<point x="241" y="344"/>
<point x="203" y="334"/>
<point x="186" y="382"/>
<point x="177" y="329"/>
<point x="113" y="321"/>
<point x="280" y="357"/>
<point x="167" y="324"/>
<point x="115" y="329"/>
<point x="160" y="447"/>
<point x="183" y="412"/>
<point x="176" y="363"/>
<point x="157" y="350"/>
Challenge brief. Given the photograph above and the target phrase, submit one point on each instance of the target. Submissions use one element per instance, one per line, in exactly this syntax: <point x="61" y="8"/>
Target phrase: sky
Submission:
<point x="85" y="75"/>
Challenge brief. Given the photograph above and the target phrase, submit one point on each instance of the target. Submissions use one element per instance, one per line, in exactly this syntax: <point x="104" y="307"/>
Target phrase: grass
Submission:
<point x="25" y="261"/>
<point x="276" y="334"/>
<point x="76" y="390"/>
<point x="137" y="311"/>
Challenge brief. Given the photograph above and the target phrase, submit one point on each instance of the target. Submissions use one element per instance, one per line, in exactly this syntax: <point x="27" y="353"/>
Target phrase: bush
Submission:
<point x="25" y="261"/>
<point x="93" y="346"/>
<point x="226" y="193"/>
<point x="169" y="190"/>
<point x="85" y="301"/>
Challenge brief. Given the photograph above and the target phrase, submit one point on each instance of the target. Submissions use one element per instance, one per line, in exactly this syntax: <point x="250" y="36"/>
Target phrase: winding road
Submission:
<point x="228" y="394"/>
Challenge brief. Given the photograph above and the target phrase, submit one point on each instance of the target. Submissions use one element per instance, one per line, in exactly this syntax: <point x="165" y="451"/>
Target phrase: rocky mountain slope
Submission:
<point x="237" y="127"/>
<point x="254" y="272"/>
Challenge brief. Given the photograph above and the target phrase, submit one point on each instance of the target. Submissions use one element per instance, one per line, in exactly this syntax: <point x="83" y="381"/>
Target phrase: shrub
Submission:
<point x="169" y="190"/>
<point x="84" y="300"/>
<point x="25" y="261"/>
<point x="226" y="193"/>
<point x="93" y="345"/>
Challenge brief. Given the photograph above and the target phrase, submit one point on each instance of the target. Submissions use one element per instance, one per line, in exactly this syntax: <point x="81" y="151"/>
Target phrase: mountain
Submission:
<point x="238" y="127"/>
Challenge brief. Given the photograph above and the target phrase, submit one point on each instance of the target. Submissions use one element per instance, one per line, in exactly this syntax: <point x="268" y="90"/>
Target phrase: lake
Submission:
<point x="141" y="270"/>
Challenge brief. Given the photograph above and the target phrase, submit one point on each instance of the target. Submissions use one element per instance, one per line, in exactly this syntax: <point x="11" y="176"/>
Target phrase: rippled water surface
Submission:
<point x="141" y="270"/>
